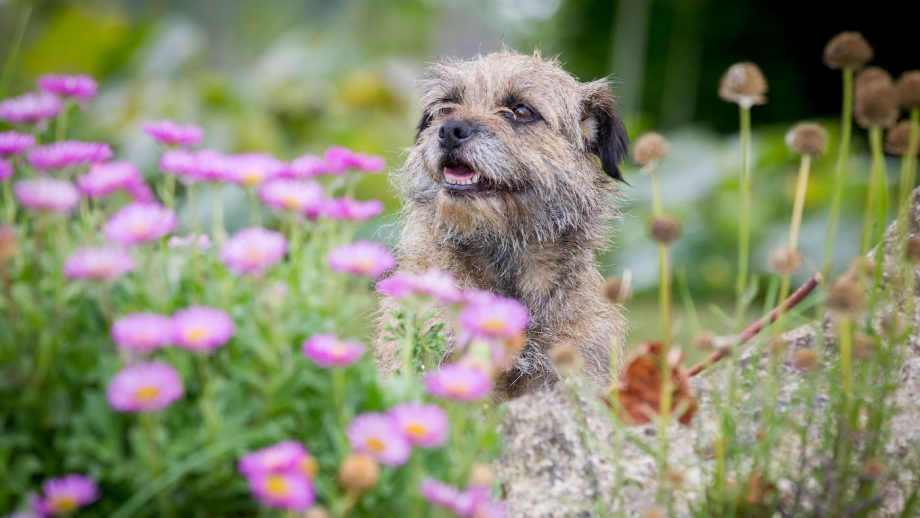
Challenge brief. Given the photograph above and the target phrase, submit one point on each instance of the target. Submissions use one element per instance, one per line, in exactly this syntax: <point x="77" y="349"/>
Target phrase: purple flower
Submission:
<point x="136" y="223"/>
<point x="329" y="351"/>
<point x="78" y="87"/>
<point x="365" y="258"/>
<point x="67" y="153"/>
<point x="439" y="493"/>
<point x="6" y="169"/>
<point x="47" y="195"/>
<point x="252" y="250"/>
<point x="349" y="209"/>
<point x="377" y="435"/>
<point x="145" y="387"/>
<point x="98" y="263"/>
<point x="294" y="195"/>
<point x="307" y="166"/>
<point x="250" y="169"/>
<point x="341" y="159"/>
<point x="283" y="457"/>
<point x="458" y="382"/>
<point x="179" y="162"/>
<point x="475" y="501"/>
<point x="141" y="193"/>
<point x="494" y="317"/>
<point x="433" y="283"/>
<point x="174" y="134"/>
<point x="13" y="143"/>
<point x="142" y="331"/>
<point x="290" y="490"/>
<point x="104" y="179"/>
<point x="424" y="425"/>
<point x="201" y="242"/>
<point x="30" y="108"/>
<point x="202" y="328"/>
<point x="206" y="165"/>
<point x="66" y="494"/>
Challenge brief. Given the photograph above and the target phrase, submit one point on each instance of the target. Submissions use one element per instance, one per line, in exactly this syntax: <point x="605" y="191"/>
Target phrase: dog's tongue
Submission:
<point x="458" y="173"/>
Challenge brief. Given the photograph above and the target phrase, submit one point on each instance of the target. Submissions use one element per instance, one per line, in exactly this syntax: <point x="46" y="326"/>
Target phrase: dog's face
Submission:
<point x="507" y="147"/>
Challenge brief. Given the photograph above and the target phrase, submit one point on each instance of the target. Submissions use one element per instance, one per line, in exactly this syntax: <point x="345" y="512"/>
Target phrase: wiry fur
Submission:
<point x="535" y="237"/>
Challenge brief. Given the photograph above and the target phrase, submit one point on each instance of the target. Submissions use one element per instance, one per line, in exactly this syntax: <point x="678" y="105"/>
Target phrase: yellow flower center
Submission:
<point x="493" y="325"/>
<point x="458" y="389"/>
<point x="251" y="176"/>
<point x="146" y="393"/>
<point x="338" y="350"/>
<point x="253" y="255"/>
<point x="62" y="504"/>
<point x="376" y="445"/>
<point x="364" y="266"/>
<point x="276" y="485"/>
<point x="140" y="228"/>
<point x="196" y="334"/>
<point x="290" y="202"/>
<point x="309" y="467"/>
<point x="416" y="430"/>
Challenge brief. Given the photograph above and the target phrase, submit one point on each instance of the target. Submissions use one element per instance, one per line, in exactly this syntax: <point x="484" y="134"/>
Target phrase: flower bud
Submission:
<point x="651" y="147"/>
<point x="665" y="229"/>
<point x="909" y="90"/>
<point x="898" y="138"/>
<point x="807" y="139"/>
<point x="785" y="261"/>
<point x="358" y="473"/>
<point x="847" y="50"/>
<point x="805" y="359"/>
<point x="743" y="84"/>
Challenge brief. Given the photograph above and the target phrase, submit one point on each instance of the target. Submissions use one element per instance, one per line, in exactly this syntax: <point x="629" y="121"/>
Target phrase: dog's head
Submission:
<point x="508" y="146"/>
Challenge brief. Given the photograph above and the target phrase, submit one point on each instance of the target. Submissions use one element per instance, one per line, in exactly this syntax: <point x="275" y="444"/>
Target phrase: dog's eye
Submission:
<point x="444" y="111"/>
<point x="522" y="113"/>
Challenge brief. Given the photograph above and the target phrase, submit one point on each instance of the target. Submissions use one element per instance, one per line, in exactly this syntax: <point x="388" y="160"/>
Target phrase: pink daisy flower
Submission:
<point x="98" y="263"/>
<point x="250" y="169"/>
<point x="252" y="250"/>
<point x="494" y="317"/>
<point x="179" y="162"/>
<point x="341" y="159"/>
<point x="440" y="494"/>
<point x="79" y="87"/>
<point x="377" y="435"/>
<point x="200" y="242"/>
<point x="68" y="153"/>
<point x="47" y="195"/>
<point x="105" y="179"/>
<point x="139" y="222"/>
<point x="365" y="258"/>
<point x="434" y="284"/>
<point x="13" y="142"/>
<point x="458" y="382"/>
<point x="66" y="494"/>
<point x="6" y="169"/>
<point x="283" y="457"/>
<point x="30" y="108"/>
<point x="294" y="195"/>
<point x="210" y="166"/>
<point x="348" y="209"/>
<point x="329" y="351"/>
<point x="289" y="490"/>
<point x="145" y="387"/>
<point x="142" y="331"/>
<point x="171" y="133"/>
<point x="424" y="425"/>
<point x="202" y="328"/>
<point x="141" y="193"/>
<point x="307" y="166"/>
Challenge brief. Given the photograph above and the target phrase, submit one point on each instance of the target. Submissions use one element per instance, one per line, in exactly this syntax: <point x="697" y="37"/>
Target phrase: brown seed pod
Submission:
<point x="784" y="260"/>
<point x="665" y="229"/>
<point x="743" y="84"/>
<point x="912" y="249"/>
<point x="358" y="473"/>
<point x="846" y="298"/>
<point x="876" y="105"/>
<point x="805" y="359"/>
<point x="651" y="147"/>
<point x="909" y="90"/>
<point x="898" y="138"/>
<point x="847" y="50"/>
<point x="862" y="347"/>
<point x="705" y="341"/>
<point x="872" y="469"/>
<point x="872" y="75"/>
<point x="618" y="289"/>
<point x="807" y="138"/>
<point x="565" y="355"/>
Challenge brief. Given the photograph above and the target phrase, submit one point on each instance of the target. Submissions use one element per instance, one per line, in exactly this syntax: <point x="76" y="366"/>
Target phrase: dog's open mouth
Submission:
<point x="460" y="177"/>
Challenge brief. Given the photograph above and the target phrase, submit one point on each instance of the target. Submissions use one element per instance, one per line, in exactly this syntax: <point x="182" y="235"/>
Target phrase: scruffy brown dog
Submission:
<point x="503" y="191"/>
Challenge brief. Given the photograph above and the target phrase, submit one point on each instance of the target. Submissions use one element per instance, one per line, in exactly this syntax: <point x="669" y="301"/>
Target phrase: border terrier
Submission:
<point x="502" y="190"/>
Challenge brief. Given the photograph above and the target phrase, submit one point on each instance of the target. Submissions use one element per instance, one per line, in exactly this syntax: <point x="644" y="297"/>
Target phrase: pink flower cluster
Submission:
<point x="172" y="133"/>
<point x="328" y="350"/>
<point x="98" y="263"/>
<point x="6" y="170"/>
<point x="336" y="161"/>
<point x="433" y="285"/>
<point x="281" y="475"/>
<point x="79" y="87"/>
<point x="364" y="258"/>
<point x="145" y="387"/>
<point x="108" y="178"/>
<point x="474" y="501"/>
<point x="30" y="108"/>
<point x="65" y="495"/>
<point x="47" y="195"/>
<point x="197" y="328"/>
<point x="253" y="250"/>
<point x="303" y="197"/>
<point x="138" y="223"/>
<point x="13" y="143"/>
<point x="68" y="153"/>
<point x="389" y="438"/>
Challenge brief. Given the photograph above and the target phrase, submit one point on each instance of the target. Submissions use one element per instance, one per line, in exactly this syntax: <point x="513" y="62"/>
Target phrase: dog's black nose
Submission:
<point x="454" y="133"/>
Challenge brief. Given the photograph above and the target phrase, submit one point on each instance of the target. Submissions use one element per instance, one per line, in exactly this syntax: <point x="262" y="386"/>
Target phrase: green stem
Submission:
<point x="408" y="363"/>
<point x="9" y="204"/>
<point x="151" y="444"/>
<point x="338" y="396"/>
<point x="61" y="124"/>
<point x="211" y="419"/>
<point x="872" y="196"/>
<point x="255" y="214"/>
<point x="217" y="213"/>
<point x="169" y="191"/>
<point x="744" y="219"/>
<point x="843" y="153"/>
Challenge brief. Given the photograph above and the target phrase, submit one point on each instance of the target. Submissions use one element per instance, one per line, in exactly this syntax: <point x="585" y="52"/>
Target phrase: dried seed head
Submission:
<point x="565" y="355"/>
<point x="872" y="469"/>
<point x="898" y="138"/>
<point x="482" y="475"/>
<point x="358" y="473"/>
<point x="876" y="105"/>
<point x="665" y="229"/>
<point x="654" y="512"/>
<point x="847" y="50"/>
<point x="872" y="75"/>
<point x="676" y="477"/>
<point x="317" y="512"/>
<point x="7" y="243"/>
<point x="743" y="84"/>
<point x="845" y="298"/>
<point x="805" y="359"/>
<point x="784" y="260"/>
<point x="705" y="341"/>
<point x="649" y="148"/>
<point x="862" y="347"/>
<point x="912" y="250"/>
<point x="807" y="138"/>
<point x="618" y="289"/>
<point x="892" y="325"/>
<point x="909" y="90"/>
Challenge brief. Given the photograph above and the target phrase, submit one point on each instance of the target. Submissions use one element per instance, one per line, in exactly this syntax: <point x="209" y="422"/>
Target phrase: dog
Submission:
<point x="510" y="188"/>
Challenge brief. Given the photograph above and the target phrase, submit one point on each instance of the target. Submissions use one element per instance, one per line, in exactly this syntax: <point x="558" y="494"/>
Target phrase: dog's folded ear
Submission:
<point x="602" y="128"/>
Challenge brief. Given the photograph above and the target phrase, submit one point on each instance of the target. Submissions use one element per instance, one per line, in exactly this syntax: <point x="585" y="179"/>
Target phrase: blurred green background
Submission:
<point x="295" y="76"/>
